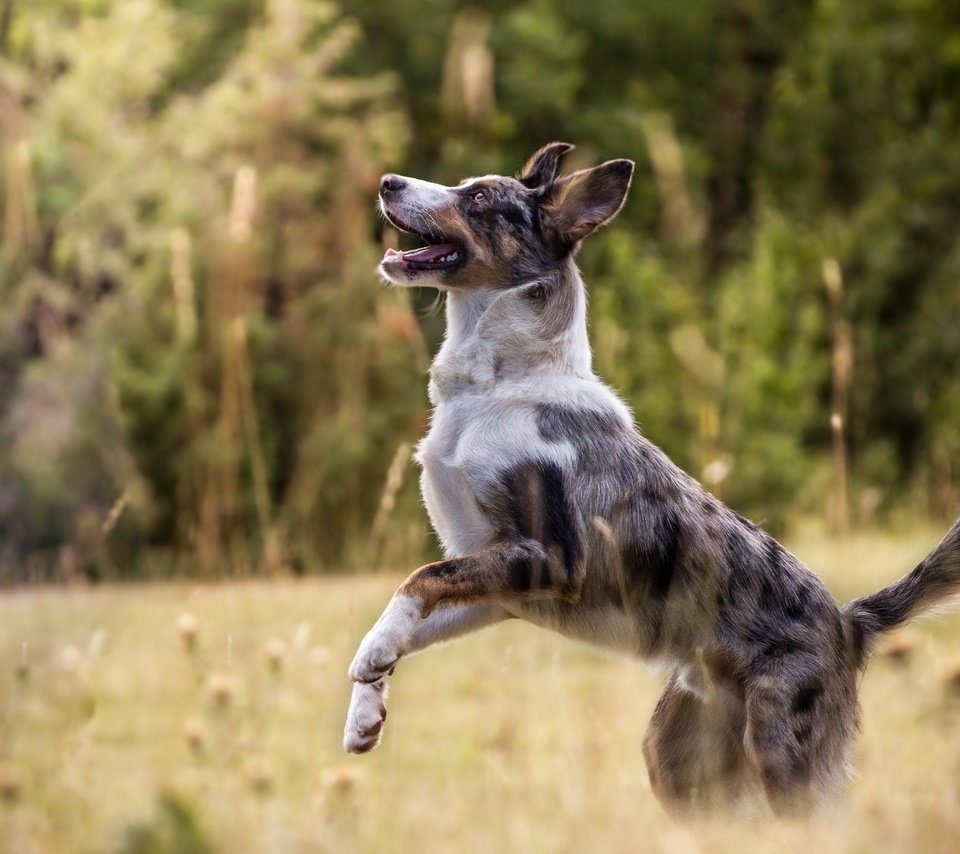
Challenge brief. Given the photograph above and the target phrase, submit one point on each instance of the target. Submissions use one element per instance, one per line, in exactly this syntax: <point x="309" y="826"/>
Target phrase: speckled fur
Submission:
<point x="551" y="507"/>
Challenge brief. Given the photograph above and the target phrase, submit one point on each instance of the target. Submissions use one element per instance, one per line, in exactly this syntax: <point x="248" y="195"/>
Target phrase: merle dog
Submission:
<point x="551" y="507"/>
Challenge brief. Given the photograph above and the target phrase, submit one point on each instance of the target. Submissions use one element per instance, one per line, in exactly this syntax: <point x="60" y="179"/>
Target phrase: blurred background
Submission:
<point x="201" y="377"/>
<point x="200" y="374"/>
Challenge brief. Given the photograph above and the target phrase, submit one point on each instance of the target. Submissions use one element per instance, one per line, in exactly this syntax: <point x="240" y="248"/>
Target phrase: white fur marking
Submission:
<point x="387" y="640"/>
<point x="365" y="717"/>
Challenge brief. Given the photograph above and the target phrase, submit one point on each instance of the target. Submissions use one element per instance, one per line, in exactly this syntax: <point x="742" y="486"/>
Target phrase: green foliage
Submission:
<point x="229" y="224"/>
<point x="773" y="340"/>
<point x="194" y="354"/>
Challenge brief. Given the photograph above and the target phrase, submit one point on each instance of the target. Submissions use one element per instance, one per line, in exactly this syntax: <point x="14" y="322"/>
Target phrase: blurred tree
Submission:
<point x="233" y="220"/>
<point x="192" y="335"/>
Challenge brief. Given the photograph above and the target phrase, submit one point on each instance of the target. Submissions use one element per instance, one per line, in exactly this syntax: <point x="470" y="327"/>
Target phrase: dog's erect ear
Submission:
<point x="541" y="169"/>
<point x="578" y="204"/>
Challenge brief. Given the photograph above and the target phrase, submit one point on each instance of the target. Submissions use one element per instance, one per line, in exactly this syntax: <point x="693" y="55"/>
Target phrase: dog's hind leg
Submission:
<point x="693" y="749"/>
<point x="800" y="724"/>
<point x="785" y="740"/>
<point x="776" y="755"/>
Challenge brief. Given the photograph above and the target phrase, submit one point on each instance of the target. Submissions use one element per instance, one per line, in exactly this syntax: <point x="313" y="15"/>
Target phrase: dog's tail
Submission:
<point x="933" y="581"/>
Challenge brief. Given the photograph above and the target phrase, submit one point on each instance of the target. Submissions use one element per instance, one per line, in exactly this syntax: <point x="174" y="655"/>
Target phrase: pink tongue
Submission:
<point x="430" y="253"/>
<point x="427" y="253"/>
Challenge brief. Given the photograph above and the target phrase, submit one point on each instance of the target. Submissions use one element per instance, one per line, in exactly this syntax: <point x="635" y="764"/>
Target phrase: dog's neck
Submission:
<point x="497" y="336"/>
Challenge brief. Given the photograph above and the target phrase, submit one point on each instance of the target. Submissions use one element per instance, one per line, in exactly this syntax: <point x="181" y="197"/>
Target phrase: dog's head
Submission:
<point x="498" y="232"/>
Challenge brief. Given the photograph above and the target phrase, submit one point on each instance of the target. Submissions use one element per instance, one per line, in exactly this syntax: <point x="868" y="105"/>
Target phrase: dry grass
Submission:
<point x="178" y="718"/>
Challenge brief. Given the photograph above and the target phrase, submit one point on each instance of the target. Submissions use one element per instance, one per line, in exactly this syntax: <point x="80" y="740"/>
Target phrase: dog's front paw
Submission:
<point x="376" y="658"/>
<point x="365" y="717"/>
<point x="386" y="641"/>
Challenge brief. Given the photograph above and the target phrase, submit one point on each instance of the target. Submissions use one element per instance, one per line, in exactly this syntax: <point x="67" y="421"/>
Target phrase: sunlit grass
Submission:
<point x="180" y="717"/>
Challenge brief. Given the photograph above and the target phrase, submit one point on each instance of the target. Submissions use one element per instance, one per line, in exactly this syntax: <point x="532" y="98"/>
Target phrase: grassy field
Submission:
<point x="185" y="718"/>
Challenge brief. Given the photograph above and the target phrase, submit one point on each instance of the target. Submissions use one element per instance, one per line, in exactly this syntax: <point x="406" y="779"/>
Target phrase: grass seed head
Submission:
<point x="302" y="636"/>
<point x="70" y="658"/>
<point x="276" y="652"/>
<point x="223" y="690"/>
<point x="340" y="779"/>
<point x="9" y="785"/>
<point x="951" y="680"/>
<point x="187" y="626"/>
<point x="319" y="655"/>
<point x="898" y="648"/>
<point x="23" y="667"/>
<point x="259" y="776"/>
<point x="195" y="735"/>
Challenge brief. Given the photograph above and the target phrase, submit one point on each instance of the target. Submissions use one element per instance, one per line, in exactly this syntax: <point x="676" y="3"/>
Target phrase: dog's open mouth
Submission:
<point x="439" y="256"/>
<point x="439" y="253"/>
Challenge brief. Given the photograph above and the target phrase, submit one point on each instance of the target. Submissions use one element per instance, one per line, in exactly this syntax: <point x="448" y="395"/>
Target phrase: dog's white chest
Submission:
<point x="453" y="508"/>
<point x="449" y="492"/>
<point x="473" y="439"/>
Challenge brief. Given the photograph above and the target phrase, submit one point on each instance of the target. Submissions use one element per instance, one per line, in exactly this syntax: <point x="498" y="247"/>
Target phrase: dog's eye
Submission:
<point x="479" y="196"/>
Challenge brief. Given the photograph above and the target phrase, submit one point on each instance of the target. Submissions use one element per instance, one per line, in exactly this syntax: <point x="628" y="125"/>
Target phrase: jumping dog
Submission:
<point x="551" y="507"/>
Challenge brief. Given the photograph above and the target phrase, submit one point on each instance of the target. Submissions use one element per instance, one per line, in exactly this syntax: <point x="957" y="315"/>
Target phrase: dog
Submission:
<point x="552" y="508"/>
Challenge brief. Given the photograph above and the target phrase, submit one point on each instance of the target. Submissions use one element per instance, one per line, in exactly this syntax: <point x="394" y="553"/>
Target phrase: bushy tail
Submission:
<point x="935" y="578"/>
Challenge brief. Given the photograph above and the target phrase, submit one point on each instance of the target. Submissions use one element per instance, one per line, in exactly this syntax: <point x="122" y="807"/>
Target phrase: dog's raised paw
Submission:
<point x="386" y="641"/>
<point x="365" y="717"/>
<point x="374" y="660"/>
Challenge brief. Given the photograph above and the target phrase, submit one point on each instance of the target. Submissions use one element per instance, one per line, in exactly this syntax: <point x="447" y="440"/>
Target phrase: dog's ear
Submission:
<point x="541" y="169"/>
<point x="577" y="204"/>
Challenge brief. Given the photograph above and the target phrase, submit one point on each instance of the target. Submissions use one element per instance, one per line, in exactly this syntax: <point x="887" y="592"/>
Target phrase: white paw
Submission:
<point x="387" y="640"/>
<point x="365" y="717"/>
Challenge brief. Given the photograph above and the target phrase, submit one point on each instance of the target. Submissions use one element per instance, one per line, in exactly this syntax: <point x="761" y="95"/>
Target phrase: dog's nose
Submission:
<point x="391" y="184"/>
